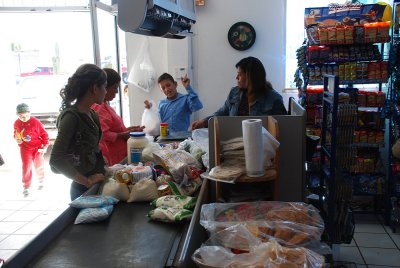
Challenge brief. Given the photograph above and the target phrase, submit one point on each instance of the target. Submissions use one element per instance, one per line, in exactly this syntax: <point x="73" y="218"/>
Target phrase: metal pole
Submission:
<point x="95" y="33"/>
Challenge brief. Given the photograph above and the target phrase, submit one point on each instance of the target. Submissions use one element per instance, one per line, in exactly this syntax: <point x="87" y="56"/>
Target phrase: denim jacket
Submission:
<point x="270" y="104"/>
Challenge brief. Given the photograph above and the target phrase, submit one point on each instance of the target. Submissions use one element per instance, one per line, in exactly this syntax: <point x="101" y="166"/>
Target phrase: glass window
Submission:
<point x="108" y="47"/>
<point x="31" y="3"/>
<point x="39" y="51"/>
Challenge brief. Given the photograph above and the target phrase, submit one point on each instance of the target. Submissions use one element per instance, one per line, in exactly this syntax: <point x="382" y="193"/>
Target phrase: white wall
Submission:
<point x="215" y="59"/>
<point x="213" y="69"/>
<point x="166" y="55"/>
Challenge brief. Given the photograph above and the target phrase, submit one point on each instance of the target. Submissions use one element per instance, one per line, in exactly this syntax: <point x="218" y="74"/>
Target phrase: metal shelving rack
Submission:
<point x="393" y="112"/>
<point x="339" y="121"/>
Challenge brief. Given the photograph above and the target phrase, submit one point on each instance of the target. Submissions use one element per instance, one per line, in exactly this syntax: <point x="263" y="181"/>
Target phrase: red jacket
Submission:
<point x="32" y="134"/>
<point x="114" y="149"/>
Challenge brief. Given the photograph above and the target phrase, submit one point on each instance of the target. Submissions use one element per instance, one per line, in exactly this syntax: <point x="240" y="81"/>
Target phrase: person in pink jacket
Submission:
<point x="33" y="140"/>
<point x="115" y="134"/>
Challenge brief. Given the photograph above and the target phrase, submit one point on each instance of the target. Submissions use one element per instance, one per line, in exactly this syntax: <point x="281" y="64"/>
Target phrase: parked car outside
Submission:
<point x="39" y="71"/>
<point x="42" y="94"/>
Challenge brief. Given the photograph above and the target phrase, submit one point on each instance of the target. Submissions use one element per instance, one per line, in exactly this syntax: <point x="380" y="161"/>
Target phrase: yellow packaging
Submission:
<point x="163" y="129"/>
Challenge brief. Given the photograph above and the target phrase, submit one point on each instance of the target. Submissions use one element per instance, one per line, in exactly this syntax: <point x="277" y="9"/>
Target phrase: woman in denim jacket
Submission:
<point x="253" y="95"/>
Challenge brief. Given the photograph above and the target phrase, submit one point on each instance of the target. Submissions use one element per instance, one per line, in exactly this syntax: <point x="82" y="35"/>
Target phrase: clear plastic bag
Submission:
<point x="143" y="74"/>
<point x="151" y="120"/>
<point x="178" y="163"/>
<point x="213" y="216"/>
<point x="236" y="246"/>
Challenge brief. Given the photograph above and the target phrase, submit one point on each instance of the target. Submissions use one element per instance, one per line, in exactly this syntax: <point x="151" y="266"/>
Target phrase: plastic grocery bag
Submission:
<point x="151" y="121"/>
<point x="236" y="246"/>
<point x="270" y="146"/>
<point x="143" y="74"/>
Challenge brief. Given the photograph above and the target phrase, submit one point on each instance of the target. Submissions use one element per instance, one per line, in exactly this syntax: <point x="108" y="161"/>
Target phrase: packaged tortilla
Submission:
<point x="167" y="214"/>
<point x="175" y="201"/>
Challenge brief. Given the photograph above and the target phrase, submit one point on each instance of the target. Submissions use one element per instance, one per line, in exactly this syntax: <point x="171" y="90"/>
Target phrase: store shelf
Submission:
<point x="367" y="145"/>
<point x="351" y="82"/>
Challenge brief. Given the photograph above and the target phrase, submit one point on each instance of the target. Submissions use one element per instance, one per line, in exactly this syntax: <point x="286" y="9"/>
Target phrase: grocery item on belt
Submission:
<point x="93" y="201"/>
<point x="175" y="201"/>
<point x="144" y="190"/>
<point x="115" y="189"/>
<point x="87" y="215"/>
<point x="167" y="214"/>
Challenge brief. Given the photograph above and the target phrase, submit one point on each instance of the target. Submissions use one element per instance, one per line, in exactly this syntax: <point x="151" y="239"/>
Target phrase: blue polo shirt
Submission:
<point x="177" y="112"/>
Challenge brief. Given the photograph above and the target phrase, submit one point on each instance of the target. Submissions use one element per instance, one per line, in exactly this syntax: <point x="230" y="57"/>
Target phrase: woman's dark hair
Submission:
<point x="165" y="76"/>
<point x="257" y="83"/>
<point x="113" y="76"/>
<point x="80" y="82"/>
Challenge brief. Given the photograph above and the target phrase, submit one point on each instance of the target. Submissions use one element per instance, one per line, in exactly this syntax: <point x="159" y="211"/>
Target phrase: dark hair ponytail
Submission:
<point x="80" y="82"/>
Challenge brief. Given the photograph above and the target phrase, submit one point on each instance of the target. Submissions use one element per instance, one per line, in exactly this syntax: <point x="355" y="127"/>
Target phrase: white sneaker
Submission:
<point x="26" y="192"/>
<point x="41" y="185"/>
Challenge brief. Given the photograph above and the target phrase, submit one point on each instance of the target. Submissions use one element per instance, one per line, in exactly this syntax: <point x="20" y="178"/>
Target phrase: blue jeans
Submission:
<point x="77" y="190"/>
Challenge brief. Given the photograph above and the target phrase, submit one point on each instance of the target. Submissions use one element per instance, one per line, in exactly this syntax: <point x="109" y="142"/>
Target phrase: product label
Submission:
<point x="136" y="155"/>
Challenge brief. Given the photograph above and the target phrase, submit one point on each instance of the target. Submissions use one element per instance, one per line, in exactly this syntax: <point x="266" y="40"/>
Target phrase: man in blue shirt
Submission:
<point x="176" y="108"/>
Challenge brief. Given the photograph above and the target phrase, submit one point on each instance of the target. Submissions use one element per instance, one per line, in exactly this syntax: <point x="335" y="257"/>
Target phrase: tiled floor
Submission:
<point x="21" y="219"/>
<point x="373" y="245"/>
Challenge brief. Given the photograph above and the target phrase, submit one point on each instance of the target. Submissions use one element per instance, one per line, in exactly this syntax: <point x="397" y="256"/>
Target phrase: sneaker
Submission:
<point x="26" y="192"/>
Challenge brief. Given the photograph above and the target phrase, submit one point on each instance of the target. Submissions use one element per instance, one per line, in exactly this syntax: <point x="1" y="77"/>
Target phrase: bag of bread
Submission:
<point x="214" y="215"/>
<point x="237" y="247"/>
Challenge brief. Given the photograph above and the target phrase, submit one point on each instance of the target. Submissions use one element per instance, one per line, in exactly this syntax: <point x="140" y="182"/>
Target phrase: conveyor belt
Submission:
<point x="126" y="239"/>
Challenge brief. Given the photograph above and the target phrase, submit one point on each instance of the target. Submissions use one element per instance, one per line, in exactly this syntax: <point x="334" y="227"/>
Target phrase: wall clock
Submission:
<point x="241" y="35"/>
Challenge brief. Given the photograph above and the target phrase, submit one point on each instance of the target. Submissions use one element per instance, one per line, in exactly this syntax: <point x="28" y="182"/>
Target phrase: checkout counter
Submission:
<point x="126" y="239"/>
<point x="129" y="239"/>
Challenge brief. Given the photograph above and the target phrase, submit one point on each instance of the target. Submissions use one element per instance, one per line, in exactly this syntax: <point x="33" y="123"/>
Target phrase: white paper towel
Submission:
<point x="253" y="147"/>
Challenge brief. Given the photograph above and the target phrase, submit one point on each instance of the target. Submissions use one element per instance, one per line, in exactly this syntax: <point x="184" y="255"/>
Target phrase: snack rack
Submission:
<point x="337" y="157"/>
<point x="393" y="169"/>
<point x="352" y="47"/>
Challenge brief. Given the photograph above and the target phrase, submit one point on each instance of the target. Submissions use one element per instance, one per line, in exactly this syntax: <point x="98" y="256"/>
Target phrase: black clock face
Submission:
<point x="241" y="36"/>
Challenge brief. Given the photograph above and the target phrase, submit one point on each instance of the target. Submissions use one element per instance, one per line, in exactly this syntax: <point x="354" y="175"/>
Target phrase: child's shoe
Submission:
<point x="26" y="192"/>
<point x="41" y="185"/>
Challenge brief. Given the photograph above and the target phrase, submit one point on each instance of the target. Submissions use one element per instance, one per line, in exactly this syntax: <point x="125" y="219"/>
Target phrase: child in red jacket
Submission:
<point x="33" y="140"/>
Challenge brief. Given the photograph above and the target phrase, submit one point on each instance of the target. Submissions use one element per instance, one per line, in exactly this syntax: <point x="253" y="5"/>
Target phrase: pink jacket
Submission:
<point x="114" y="149"/>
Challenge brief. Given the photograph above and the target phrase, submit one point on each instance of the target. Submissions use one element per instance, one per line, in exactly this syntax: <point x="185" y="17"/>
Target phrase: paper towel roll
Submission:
<point x="253" y="147"/>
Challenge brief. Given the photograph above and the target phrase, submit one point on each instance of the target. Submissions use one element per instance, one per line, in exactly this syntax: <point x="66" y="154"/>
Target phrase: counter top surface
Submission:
<point x="126" y="239"/>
